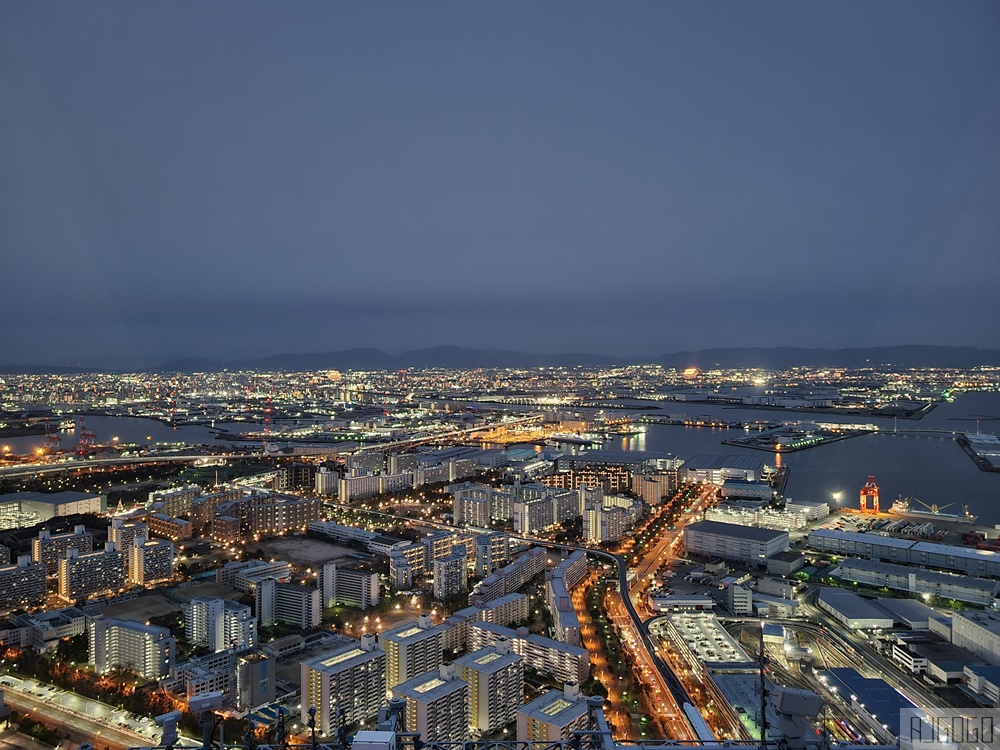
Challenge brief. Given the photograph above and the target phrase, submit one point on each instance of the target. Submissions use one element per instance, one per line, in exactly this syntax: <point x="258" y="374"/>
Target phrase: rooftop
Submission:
<point x="742" y="463"/>
<point x="554" y="708"/>
<point x="735" y="530"/>
<point x="874" y="695"/>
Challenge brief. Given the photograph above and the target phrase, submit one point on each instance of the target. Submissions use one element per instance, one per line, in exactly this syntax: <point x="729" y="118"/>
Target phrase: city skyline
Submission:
<point x="229" y="181"/>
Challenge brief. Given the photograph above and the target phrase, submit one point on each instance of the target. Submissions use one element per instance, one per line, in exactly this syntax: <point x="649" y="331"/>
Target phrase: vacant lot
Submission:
<point x="143" y="608"/>
<point x="303" y="551"/>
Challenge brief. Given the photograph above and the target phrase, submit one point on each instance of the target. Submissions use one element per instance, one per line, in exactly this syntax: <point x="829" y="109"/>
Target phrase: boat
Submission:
<point x="903" y="507"/>
<point x="67" y="424"/>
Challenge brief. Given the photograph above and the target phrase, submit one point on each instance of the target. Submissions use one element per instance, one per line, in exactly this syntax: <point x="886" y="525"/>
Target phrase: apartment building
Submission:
<point x="553" y="716"/>
<point x="496" y="685"/>
<point x="22" y="585"/>
<point x="85" y="575"/>
<point x="451" y="573"/>
<point x="219" y="624"/>
<point x="437" y="705"/>
<point x="150" y="561"/>
<point x="560" y="660"/>
<point x="411" y="650"/>
<point x="147" y="650"/>
<point x="350" y="679"/>
<point x="288" y="603"/>
<point x="48" y="549"/>
<point x="348" y="585"/>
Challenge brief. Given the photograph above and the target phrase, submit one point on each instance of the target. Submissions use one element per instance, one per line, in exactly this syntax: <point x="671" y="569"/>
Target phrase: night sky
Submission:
<point x="243" y="179"/>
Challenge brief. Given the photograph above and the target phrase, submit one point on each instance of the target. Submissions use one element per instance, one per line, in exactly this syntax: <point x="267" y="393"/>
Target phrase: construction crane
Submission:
<point x="869" y="491"/>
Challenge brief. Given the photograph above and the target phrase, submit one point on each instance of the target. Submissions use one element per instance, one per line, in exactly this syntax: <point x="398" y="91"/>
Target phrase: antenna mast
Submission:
<point x="762" y="662"/>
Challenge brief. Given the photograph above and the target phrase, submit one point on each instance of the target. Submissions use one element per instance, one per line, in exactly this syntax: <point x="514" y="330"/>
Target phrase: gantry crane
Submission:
<point x="869" y="492"/>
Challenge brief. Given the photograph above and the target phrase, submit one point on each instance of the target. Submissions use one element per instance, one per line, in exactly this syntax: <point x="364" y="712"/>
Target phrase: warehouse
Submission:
<point x="917" y="581"/>
<point x="852" y="611"/>
<point x="877" y="547"/>
<point x="734" y="543"/>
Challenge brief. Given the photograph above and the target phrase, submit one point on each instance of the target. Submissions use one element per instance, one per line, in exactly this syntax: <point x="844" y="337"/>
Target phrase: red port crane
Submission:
<point x="52" y="440"/>
<point x="869" y="491"/>
<point x="87" y="438"/>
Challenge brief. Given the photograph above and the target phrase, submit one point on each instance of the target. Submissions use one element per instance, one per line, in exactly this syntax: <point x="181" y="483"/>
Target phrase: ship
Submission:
<point x="903" y="507"/>
<point x="67" y="424"/>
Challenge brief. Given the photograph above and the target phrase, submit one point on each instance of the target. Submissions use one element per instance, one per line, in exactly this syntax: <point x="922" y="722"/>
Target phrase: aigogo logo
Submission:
<point x="949" y="729"/>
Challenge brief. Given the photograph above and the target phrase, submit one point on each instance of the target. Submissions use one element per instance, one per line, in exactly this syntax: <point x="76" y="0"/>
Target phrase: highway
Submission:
<point x="85" y="720"/>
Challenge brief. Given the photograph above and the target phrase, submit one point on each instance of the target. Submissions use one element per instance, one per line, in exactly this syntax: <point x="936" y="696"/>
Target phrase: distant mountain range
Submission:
<point x="454" y="357"/>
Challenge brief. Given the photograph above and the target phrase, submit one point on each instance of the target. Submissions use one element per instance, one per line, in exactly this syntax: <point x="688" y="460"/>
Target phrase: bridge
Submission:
<point x="28" y="470"/>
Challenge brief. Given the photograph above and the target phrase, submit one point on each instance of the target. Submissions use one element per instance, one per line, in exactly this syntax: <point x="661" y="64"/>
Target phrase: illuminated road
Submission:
<point x="669" y="693"/>
<point x="85" y="720"/>
<point x="618" y="713"/>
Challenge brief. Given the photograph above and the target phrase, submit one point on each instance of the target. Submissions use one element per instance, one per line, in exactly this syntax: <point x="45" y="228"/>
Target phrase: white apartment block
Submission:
<point x="242" y="574"/>
<point x="437" y="705"/>
<point x="350" y="678"/>
<point x="290" y="603"/>
<point x="145" y="649"/>
<point x="410" y="650"/>
<point x="349" y="585"/>
<point x="219" y="624"/>
<point x="496" y="686"/>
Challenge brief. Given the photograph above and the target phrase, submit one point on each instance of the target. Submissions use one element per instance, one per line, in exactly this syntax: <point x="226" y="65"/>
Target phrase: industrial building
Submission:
<point x="871" y="699"/>
<point x="851" y="611"/>
<point x="349" y="679"/>
<point x="496" y="686"/>
<point x="553" y="716"/>
<point x="978" y="632"/>
<point x="918" y="581"/>
<point x="968" y="560"/>
<point x="719" y="469"/>
<point x="437" y="705"/>
<point x="45" y="505"/>
<point x="745" y="545"/>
